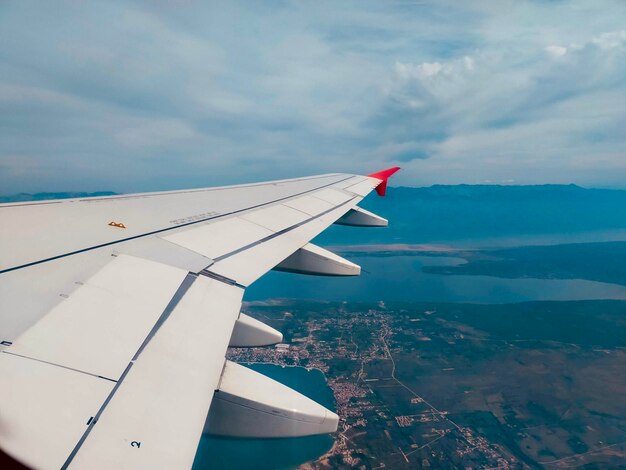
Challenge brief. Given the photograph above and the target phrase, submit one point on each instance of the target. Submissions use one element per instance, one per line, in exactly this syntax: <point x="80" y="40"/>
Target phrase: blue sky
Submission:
<point x="135" y="96"/>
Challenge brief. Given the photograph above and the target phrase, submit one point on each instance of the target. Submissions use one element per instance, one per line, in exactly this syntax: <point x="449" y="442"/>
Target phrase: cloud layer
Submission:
<point x="133" y="96"/>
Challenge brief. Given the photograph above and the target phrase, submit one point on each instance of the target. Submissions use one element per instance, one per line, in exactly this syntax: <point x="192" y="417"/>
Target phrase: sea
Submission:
<point x="401" y="278"/>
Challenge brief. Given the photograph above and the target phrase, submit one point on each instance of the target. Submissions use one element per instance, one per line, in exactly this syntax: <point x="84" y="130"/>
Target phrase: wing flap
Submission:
<point x="162" y="402"/>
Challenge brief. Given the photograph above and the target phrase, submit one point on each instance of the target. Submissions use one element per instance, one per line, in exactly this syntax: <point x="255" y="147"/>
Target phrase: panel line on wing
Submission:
<point x="220" y="278"/>
<point x="58" y="365"/>
<point x="296" y="209"/>
<point x="154" y="232"/>
<point x="182" y="290"/>
<point x="281" y="232"/>
<point x="93" y="422"/>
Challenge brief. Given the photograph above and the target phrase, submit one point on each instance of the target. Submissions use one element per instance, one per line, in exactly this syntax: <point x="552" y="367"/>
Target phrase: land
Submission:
<point x="602" y="262"/>
<point x="529" y="385"/>
<point x="598" y="261"/>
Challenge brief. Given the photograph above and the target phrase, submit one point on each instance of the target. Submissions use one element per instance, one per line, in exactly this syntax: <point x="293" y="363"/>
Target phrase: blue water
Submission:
<point x="237" y="454"/>
<point x="401" y="278"/>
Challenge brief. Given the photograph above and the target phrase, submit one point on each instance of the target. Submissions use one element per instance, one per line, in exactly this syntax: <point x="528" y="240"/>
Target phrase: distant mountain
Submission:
<point x="464" y="212"/>
<point x="488" y="191"/>
<point x="22" y="197"/>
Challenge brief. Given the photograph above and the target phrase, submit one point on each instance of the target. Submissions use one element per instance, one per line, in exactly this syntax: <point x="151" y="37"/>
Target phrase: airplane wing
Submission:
<point x="116" y="313"/>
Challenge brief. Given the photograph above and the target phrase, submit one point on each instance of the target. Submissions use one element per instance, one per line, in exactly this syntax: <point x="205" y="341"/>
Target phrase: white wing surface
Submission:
<point x="116" y="314"/>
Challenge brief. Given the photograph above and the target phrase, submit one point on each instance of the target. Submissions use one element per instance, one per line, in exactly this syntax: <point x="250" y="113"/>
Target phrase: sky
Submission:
<point x="141" y="96"/>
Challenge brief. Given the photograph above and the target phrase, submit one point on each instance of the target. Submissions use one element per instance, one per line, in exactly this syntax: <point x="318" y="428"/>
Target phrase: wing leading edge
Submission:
<point x="113" y="362"/>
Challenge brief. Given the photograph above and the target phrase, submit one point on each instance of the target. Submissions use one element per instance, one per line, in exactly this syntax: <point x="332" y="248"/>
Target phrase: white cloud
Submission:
<point x="429" y="69"/>
<point x="407" y="71"/>
<point x="610" y="40"/>
<point x="556" y="51"/>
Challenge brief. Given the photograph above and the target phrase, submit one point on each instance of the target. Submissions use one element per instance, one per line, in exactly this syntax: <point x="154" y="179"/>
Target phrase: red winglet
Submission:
<point x="384" y="176"/>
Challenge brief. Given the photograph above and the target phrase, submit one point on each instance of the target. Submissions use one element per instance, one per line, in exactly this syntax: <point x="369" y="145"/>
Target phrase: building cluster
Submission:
<point x="332" y="344"/>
